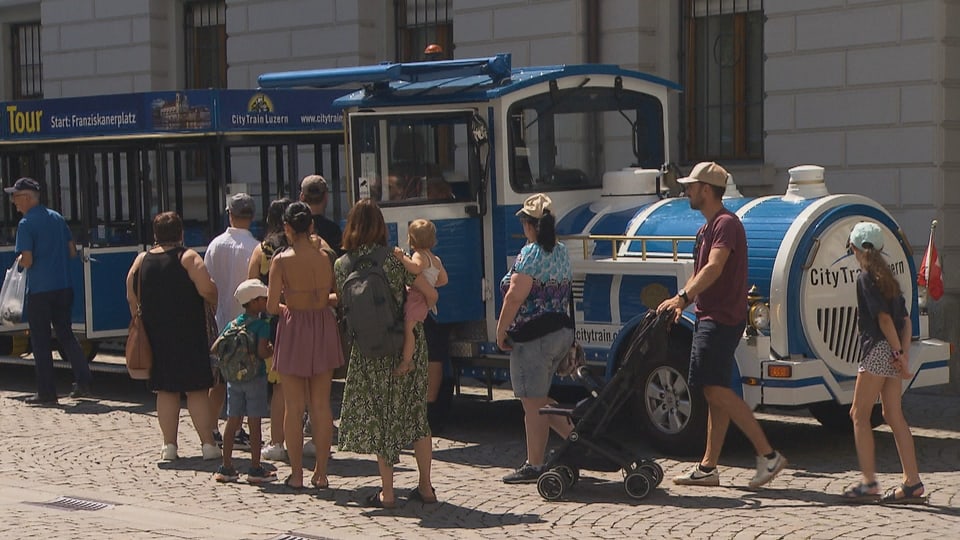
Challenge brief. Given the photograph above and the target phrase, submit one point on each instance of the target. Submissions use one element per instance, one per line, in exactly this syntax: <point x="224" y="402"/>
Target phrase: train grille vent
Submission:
<point x="840" y="333"/>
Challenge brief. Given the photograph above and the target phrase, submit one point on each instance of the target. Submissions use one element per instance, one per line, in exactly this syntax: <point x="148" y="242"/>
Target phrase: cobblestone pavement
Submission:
<point x="107" y="450"/>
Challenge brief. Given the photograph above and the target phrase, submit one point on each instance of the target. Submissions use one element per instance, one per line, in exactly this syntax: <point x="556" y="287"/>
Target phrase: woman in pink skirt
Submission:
<point x="307" y="347"/>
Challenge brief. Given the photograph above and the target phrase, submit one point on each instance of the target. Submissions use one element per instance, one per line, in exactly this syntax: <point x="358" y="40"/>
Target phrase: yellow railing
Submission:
<point x="616" y="239"/>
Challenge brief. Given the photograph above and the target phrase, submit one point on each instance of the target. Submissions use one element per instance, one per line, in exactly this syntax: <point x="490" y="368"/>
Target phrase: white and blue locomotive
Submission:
<point x="463" y="142"/>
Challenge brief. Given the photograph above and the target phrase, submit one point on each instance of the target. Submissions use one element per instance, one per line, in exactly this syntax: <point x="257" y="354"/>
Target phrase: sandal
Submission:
<point x="416" y="496"/>
<point x="374" y="501"/>
<point x="908" y="495"/>
<point x="862" y="492"/>
<point x="318" y="484"/>
<point x="291" y="486"/>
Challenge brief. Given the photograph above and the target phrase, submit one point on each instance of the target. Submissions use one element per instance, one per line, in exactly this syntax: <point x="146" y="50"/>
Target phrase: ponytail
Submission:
<point x="879" y="270"/>
<point x="546" y="231"/>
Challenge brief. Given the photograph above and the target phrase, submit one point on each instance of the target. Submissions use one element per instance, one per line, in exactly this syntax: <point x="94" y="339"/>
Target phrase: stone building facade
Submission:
<point x="870" y="89"/>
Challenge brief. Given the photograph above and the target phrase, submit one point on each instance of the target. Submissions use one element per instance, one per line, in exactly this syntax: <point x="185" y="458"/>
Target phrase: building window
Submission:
<point x="421" y="23"/>
<point x="723" y="79"/>
<point x="27" y="65"/>
<point x="205" y="40"/>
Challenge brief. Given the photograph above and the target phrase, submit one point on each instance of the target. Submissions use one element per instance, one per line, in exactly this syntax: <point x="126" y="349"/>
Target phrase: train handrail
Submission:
<point x="616" y="239"/>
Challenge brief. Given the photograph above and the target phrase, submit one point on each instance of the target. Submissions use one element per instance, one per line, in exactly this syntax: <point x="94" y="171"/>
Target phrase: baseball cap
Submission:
<point x="536" y="206"/>
<point x="240" y="205"/>
<point x="867" y="232"/>
<point x="707" y="172"/>
<point x="313" y="185"/>
<point x="24" y="184"/>
<point x="250" y="289"/>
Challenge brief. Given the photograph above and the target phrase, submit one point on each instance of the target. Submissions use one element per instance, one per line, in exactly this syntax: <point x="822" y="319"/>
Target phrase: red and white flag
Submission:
<point x="930" y="274"/>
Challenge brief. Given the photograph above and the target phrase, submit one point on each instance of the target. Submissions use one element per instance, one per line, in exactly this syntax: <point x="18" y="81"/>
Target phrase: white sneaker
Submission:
<point x="767" y="469"/>
<point x="309" y="449"/>
<point x="168" y="452"/>
<point x="211" y="452"/>
<point x="275" y="452"/>
<point x="697" y="477"/>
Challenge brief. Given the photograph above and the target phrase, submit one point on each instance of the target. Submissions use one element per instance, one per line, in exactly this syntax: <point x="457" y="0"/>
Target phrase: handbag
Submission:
<point x="12" y="295"/>
<point x="575" y="356"/>
<point x="138" y="354"/>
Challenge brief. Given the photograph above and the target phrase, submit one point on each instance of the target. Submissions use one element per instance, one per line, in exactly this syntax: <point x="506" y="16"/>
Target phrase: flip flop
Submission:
<point x="909" y="495"/>
<point x="374" y="501"/>
<point x="416" y="496"/>
<point x="861" y="493"/>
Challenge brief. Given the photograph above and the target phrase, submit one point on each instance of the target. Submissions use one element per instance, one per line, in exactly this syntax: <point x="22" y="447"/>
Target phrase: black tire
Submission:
<point x="673" y="414"/>
<point x="551" y="485"/>
<point x="654" y="469"/>
<point x="836" y="417"/>
<point x="570" y="474"/>
<point x="638" y="484"/>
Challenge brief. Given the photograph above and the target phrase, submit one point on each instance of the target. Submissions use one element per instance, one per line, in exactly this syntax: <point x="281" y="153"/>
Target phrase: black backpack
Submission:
<point x="236" y="352"/>
<point x="369" y="306"/>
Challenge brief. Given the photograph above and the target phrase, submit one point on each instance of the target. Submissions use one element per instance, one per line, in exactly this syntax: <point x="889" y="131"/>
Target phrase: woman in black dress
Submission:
<point x="175" y="284"/>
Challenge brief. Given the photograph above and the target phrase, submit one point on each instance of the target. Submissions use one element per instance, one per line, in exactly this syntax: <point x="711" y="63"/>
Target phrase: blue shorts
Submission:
<point x="533" y="363"/>
<point x="712" y="353"/>
<point x="248" y="398"/>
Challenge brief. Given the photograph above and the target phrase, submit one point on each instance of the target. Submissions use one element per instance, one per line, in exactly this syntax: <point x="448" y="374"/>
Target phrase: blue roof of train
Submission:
<point x="450" y="81"/>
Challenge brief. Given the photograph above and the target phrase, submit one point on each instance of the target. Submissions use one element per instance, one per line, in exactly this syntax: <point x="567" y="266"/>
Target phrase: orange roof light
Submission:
<point x="433" y="48"/>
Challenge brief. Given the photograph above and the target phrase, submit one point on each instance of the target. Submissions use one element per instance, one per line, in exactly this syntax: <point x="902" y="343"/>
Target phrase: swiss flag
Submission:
<point x="930" y="275"/>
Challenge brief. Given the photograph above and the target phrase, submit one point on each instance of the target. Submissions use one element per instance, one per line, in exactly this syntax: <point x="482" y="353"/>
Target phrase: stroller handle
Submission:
<point x="592" y="383"/>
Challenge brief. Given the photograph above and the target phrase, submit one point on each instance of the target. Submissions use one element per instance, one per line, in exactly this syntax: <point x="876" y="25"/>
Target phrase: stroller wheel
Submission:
<point x="653" y="469"/>
<point x="639" y="484"/>
<point x="570" y="474"/>
<point x="551" y="485"/>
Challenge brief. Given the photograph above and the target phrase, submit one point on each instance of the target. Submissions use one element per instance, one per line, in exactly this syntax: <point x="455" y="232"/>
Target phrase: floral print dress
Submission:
<point x="381" y="413"/>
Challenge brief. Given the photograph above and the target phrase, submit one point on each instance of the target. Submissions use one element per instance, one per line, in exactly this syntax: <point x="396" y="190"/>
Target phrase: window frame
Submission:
<point x="20" y="60"/>
<point x="438" y="21"/>
<point x="695" y="148"/>
<point x="196" y="69"/>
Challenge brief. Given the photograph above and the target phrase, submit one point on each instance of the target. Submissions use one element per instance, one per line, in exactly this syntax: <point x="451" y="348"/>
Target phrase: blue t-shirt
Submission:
<point x="44" y="233"/>
<point x="552" y="277"/>
<point x="259" y="328"/>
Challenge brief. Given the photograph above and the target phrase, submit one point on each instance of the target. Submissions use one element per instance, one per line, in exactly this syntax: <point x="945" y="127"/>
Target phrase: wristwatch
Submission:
<point x="682" y="293"/>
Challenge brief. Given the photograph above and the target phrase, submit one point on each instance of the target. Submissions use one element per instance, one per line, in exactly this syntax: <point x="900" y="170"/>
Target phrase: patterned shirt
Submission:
<point x="552" y="278"/>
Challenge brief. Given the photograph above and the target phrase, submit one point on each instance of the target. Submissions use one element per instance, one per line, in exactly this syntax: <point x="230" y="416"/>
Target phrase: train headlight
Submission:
<point x="759" y="316"/>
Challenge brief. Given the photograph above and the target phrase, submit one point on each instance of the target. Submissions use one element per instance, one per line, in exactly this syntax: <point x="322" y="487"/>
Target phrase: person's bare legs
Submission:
<point x="230" y="429"/>
<point x="199" y="408"/>
<point x="718" y="421"/>
<point x="728" y="403"/>
<point x="409" y="340"/>
<point x="294" y="391"/>
<point x="387" y="496"/>
<point x="276" y="415"/>
<point x="168" y="415"/>
<point x="256" y="437"/>
<point x="864" y="397"/>
<point x="216" y="396"/>
<point x="321" y="423"/>
<point x="423" y="453"/>
<point x="537" y="427"/>
<point x="891" y="398"/>
<point x="434" y="380"/>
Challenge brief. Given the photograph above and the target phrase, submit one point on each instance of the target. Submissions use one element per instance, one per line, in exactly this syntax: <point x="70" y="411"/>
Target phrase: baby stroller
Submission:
<point x="588" y="446"/>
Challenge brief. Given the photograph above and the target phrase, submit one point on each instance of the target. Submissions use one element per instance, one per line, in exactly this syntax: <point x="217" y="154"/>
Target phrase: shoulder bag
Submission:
<point x="139" y="355"/>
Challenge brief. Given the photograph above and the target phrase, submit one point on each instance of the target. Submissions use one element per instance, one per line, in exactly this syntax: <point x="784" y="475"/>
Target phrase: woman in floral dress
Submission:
<point x="384" y="408"/>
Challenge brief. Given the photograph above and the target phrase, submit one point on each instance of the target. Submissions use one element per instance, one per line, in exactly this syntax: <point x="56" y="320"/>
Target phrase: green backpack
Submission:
<point x="236" y="351"/>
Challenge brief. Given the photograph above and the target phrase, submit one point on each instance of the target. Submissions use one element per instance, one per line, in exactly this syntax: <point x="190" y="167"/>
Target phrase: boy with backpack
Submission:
<point x="241" y="349"/>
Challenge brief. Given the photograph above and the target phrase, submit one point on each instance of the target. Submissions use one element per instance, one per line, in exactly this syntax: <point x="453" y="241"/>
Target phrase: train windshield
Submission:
<point x="414" y="159"/>
<point x="566" y="139"/>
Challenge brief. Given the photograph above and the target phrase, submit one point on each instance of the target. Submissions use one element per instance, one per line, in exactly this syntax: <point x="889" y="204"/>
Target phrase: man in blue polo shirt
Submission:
<point x="44" y="245"/>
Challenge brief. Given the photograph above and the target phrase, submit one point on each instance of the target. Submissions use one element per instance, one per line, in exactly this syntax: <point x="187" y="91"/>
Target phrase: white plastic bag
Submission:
<point x="12" y="295"/>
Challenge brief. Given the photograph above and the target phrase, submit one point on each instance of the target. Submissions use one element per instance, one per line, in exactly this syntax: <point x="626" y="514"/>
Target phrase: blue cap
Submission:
<point x="24" y="184"/>
<point x="866" y="235"/>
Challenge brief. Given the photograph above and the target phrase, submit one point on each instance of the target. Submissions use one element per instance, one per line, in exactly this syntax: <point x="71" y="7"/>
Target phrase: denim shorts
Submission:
<point x="248" y="398"/>
<point x="712" y="353"/>
<point x="533" y="363"/>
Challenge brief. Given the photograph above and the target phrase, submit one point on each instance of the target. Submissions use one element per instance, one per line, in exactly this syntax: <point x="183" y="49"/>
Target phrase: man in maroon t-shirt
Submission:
<point x="721" y="308"/>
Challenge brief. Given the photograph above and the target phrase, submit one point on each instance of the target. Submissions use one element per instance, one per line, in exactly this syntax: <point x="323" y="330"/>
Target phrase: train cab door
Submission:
<point x="101" y="187"/>
<point x="428" y="165"/>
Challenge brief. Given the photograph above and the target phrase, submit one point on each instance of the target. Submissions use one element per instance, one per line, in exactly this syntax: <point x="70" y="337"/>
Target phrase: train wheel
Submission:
<point x="674" y="414"/>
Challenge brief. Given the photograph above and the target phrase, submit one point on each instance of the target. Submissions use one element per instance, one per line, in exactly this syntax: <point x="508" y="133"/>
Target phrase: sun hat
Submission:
<point x="250" y="289"/>
<point x="535" y="206"/>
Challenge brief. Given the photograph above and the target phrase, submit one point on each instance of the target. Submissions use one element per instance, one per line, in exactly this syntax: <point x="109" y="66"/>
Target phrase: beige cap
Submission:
<point x="536" y="206"/>
<point x="707" y="172"/>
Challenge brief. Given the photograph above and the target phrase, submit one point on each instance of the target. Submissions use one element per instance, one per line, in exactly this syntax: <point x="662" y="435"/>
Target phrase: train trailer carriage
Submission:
<point x="464" y="142"/>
